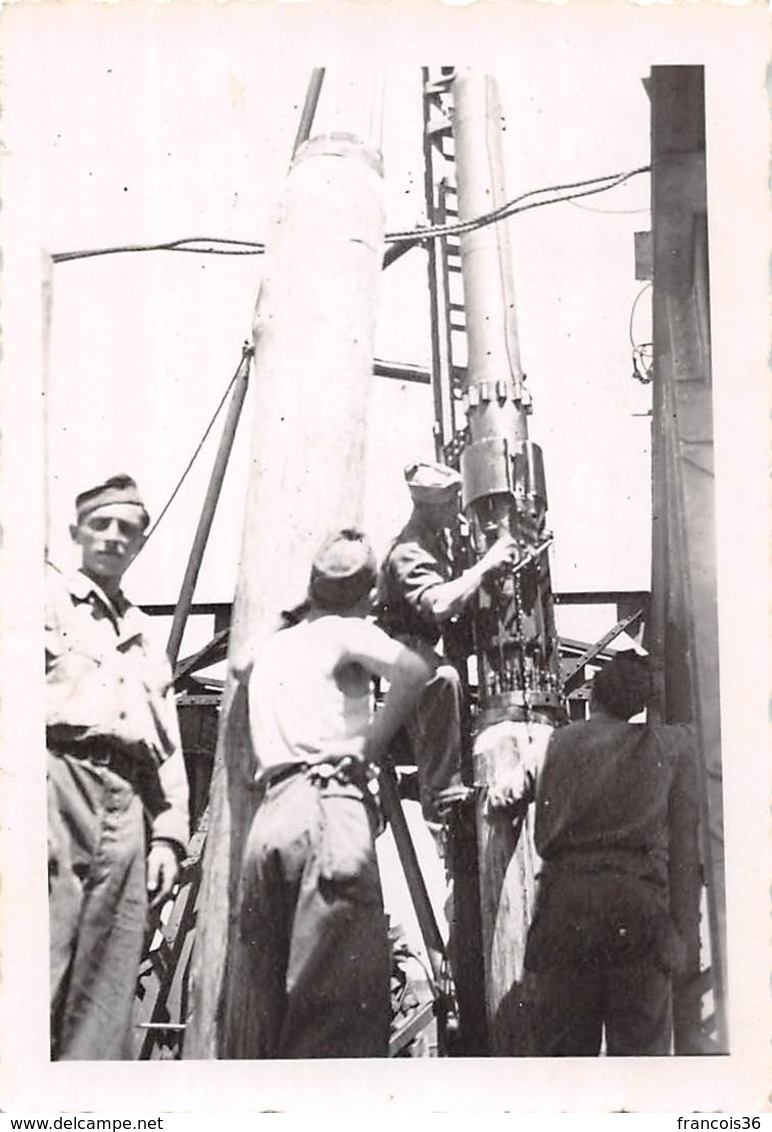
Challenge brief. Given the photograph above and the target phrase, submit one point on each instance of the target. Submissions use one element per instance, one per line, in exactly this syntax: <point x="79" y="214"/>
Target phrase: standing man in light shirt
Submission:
<point x="114" y="760"/>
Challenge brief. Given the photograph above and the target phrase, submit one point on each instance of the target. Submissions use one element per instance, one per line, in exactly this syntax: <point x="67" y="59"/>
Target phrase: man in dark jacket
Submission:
<point x="419" y="593"/>
<point x="616" y="828"/>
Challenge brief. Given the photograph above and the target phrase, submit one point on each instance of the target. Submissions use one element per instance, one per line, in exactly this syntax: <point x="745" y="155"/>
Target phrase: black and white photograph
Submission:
<point x="384" y="557"/>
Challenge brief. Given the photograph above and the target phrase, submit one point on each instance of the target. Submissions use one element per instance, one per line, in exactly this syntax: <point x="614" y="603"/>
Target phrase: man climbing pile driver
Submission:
<point x="418" y="595"/>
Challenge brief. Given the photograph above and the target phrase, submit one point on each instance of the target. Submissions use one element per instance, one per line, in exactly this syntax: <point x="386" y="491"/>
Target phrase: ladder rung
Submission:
<point x="436" y="87"/>
<point x="177" y="1026"/>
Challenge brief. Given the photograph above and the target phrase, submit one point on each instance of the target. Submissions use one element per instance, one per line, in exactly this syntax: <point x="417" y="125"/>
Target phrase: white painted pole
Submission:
<point x="314" y="341"/>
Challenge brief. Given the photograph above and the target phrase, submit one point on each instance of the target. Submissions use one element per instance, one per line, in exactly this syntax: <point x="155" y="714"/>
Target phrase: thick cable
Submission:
<point x="415" y="235"/>
<point x="232" y="247"/>
<point x="514" y="206"/>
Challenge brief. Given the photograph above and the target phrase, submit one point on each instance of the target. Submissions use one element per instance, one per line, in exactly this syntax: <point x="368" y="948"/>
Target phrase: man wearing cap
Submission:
<point x="114" y="761"/>
<point x="310" y="976"/>
<point x="418" y="595"/>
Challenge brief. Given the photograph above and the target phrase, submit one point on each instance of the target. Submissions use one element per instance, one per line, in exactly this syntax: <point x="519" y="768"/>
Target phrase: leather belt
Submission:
<point x="116" y="757"/>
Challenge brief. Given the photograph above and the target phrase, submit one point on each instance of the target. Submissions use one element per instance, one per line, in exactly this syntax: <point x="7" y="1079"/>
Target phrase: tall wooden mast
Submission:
<point x="313" y="336"/>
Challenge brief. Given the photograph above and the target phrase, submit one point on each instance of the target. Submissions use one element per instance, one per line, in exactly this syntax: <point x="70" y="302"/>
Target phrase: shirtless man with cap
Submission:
<point x="311" y="969"/>
<point x="418" y="595"/>
<point x="114" y="760"/>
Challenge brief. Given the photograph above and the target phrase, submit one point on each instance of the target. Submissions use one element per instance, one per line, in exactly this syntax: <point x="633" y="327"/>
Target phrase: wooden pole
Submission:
<point x="314" y="331"/>
<point x="684" y="631"/>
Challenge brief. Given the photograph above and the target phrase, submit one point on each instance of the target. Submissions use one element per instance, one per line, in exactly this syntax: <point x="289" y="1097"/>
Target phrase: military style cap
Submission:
<point x="432" y="483"/>
<point x="343" y="571"/>
<point x="117" y="489"/>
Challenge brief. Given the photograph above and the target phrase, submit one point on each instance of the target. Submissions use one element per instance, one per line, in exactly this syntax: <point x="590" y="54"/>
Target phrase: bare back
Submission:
<point x="306" y="698"/>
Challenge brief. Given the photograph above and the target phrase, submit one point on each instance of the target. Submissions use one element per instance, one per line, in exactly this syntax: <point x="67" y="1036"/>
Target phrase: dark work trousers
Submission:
<point x="570" y="1007"/>
<point x="97" y="908"/>
<point x="434" y="730"/>
<point x="310" y="974"/>
<point x="597" y="959"/>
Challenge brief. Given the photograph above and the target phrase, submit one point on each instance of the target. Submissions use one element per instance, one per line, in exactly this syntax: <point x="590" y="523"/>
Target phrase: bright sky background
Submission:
<point x="152" y="124"/>
<point x="143" y="122"/>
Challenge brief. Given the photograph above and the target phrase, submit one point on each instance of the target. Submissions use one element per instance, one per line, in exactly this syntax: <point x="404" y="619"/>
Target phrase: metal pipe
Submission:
<point x="503" y="492"/>
<point x="185" y="600"/>
<point x="495" y="376"/>
<point x="309" y="108"/>
<point x="392" y="807"/>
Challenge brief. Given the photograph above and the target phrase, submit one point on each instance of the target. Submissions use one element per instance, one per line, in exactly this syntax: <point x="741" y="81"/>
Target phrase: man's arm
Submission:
<point x="448" y="598"/>
<point x="170" y="828"/>
<point x="407" y="672"/>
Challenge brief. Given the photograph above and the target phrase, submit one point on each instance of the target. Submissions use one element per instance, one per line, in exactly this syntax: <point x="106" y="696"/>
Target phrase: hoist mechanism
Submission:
<point x="504" y="487"/>
<point x="509" y="655"/>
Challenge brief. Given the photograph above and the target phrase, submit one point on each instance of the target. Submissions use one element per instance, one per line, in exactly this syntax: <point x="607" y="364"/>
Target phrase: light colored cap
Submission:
<point x="432" y="483"/>
<point x="343" y="571"/>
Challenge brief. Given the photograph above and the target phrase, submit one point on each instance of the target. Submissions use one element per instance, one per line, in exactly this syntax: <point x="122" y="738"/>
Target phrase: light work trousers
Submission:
<point x="310" y="974"/>
<point x="97" y="908"/>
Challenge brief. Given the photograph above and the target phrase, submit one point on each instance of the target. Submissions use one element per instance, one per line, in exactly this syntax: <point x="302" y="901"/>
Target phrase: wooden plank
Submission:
<point x="683" y="632"/>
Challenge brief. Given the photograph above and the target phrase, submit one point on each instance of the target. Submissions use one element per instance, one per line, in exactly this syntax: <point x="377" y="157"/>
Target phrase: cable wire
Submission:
<point x="515" y="206"/>
<point x="200" y="445"/>
<point x="643" y="352"/>
<point x="639" y="296"/>
<point x="608" y="211"/>
<point x="232" y="247"/>
<point x="589" y="187"/>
